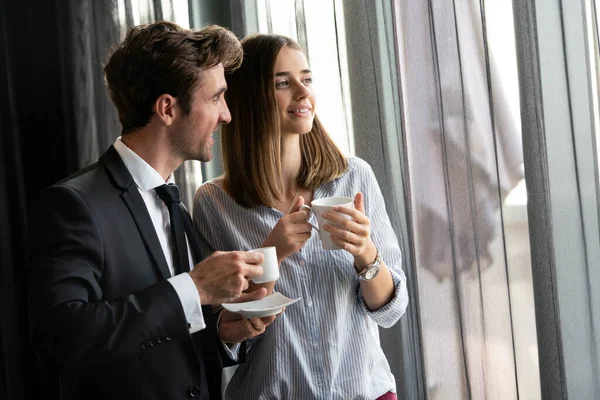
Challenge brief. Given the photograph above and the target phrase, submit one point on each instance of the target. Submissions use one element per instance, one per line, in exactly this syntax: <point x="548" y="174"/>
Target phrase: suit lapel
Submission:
<point x="134" y="202"/>
<point x="138" y="210"/>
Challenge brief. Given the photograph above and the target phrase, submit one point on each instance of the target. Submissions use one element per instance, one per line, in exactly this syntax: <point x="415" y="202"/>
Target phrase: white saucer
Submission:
<point x="270" y="305"/>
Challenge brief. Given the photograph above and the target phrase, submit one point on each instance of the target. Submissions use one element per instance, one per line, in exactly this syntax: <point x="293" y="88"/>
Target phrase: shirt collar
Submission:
<point x="143" y="174"/>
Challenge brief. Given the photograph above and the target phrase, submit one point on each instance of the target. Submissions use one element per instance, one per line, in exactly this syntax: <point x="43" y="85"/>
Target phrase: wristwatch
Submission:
<point x="371" y="270"/>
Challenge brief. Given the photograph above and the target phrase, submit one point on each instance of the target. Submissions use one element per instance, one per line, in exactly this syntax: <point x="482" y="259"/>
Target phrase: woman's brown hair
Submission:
<point x="251" y="142"/>
<point x="162" y="57"/>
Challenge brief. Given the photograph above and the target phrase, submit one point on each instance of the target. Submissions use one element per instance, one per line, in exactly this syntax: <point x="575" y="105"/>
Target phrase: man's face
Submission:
<point x="193" y="138"/>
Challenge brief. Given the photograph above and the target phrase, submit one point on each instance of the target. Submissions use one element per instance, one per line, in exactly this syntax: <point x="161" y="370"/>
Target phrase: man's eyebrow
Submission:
<point x="218" y="92"/>
<point x="286" y="73"/>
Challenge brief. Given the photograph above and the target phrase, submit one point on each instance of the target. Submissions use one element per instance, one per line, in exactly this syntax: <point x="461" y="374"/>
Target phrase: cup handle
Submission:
<point x="309" y="209"/>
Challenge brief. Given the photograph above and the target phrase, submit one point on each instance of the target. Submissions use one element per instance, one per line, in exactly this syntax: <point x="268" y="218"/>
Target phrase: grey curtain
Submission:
<point x="464" y="153"/>
<point x="91" y="30"/>
<point x="438" y="121"/>
<point x="378" y="136"/>
<point x="557" y="46"/>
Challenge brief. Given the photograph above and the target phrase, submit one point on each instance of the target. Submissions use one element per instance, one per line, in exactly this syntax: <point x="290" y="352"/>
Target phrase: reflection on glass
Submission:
<point x="462" y="127"/>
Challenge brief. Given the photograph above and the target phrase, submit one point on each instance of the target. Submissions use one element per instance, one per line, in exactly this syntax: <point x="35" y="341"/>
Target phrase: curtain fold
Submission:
<point x="378" y="126"/>
<point x="92" y="28"/>
<point x="16" y="357"/>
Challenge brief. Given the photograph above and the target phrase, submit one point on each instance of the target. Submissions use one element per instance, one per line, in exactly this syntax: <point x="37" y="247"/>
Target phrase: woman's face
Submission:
<point x="294" y="92"/>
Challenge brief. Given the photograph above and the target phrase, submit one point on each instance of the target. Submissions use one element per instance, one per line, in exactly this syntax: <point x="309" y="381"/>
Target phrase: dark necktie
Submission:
<point x="169" y="194"/>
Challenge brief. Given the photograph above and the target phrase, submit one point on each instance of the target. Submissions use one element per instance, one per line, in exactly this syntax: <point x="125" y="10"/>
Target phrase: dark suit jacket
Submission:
<point x="104" y="321"/>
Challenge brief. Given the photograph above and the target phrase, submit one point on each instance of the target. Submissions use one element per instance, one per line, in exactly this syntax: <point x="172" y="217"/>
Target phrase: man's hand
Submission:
<point x="233" y="328"/>
<point x="223" y="276"/>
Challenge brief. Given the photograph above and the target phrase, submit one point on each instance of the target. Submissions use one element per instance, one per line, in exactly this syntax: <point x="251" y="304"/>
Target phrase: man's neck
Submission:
<point x="153" y="148"/>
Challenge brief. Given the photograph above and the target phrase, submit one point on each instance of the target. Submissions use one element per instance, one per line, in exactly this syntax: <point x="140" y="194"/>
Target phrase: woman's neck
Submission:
<point x="291" y="161"/>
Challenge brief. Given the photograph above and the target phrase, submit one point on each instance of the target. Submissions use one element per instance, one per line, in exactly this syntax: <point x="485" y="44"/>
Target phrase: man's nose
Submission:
<point x="225" y="116"/>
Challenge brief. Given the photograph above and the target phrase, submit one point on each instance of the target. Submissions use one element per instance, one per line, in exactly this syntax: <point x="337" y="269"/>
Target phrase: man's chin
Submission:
<point x="204" y="157"/>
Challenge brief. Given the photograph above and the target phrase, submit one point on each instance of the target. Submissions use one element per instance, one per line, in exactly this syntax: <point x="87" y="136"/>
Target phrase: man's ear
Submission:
<point x="165" y="108"/>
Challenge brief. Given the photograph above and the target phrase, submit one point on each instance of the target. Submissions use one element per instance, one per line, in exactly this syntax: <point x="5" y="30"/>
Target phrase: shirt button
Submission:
<point x="315" y="344"/>
<point x="302" y="263"/>
<point x="309" y="303"/>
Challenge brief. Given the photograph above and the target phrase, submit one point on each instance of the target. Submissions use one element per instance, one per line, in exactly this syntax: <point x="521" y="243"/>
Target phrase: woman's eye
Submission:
<point x="281" y="84"/>
<point x="307" y="80"/>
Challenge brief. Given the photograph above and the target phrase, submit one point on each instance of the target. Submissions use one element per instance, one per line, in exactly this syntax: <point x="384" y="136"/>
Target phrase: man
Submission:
<point x="119" y="309"/>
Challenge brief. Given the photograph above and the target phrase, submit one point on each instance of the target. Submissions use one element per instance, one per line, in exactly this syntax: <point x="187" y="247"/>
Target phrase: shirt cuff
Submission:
<point x="232" y="350"/>
<point x="190" y="300"/>
<point x="390" y="313"/>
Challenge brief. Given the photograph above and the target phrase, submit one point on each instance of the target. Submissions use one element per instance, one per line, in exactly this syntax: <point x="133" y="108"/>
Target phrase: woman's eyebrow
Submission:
<point x="286" y="73"/>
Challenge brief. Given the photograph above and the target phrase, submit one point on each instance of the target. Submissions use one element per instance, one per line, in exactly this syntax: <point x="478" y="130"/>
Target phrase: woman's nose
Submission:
<point x="302" y="91"/>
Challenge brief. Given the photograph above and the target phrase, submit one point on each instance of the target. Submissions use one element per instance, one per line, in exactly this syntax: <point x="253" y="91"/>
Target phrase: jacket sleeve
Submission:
<point x="71" y="325"/>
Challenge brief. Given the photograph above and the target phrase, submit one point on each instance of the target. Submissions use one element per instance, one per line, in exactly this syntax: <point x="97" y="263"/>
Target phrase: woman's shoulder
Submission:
<point x="358" y="165"/>
<point x="359" y="173"/>
<point x="355" y="162"/>
<point x="211" y="189"/>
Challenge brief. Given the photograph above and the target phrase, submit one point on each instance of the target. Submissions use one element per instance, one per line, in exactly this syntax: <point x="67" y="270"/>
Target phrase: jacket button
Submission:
<point x="168" y="336"/>
<point x="143" y="346"/>
<point x="194" y="391"/>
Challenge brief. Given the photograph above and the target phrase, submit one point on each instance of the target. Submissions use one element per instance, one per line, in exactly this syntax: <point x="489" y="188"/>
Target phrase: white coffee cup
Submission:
<point x="270" y="265"/>
<point x="326" y="204"/>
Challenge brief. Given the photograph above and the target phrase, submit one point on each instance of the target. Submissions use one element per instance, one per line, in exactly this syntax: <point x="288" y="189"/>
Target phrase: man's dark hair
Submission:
<point x="164" y="58"/>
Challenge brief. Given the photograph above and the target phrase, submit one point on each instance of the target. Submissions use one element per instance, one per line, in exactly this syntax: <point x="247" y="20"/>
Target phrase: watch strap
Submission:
<point x="367" y="267"/>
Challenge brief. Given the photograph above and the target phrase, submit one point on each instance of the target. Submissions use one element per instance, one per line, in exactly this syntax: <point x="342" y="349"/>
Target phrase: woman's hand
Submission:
<point x="290" y="233"/>
<point x="352" y="235"/>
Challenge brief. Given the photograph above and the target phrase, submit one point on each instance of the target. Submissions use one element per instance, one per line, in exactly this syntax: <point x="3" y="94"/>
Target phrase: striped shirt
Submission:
<point x="325" y="346"/>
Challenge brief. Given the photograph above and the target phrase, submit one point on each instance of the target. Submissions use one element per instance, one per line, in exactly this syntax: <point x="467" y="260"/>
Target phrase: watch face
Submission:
<point x="371" y="273"/>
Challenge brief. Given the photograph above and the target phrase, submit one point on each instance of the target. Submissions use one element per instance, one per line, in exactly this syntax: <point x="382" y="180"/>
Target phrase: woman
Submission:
<point x="277" y="156"/>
